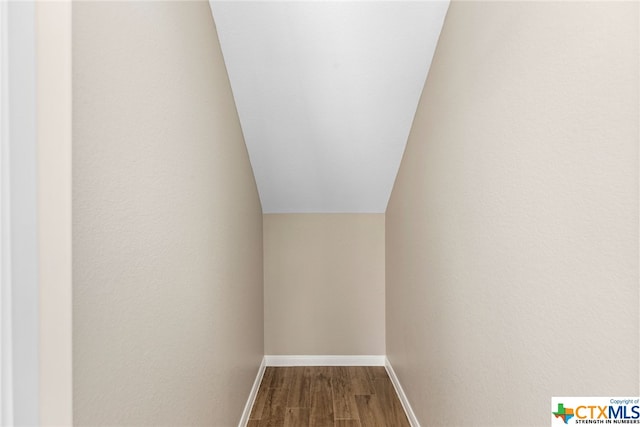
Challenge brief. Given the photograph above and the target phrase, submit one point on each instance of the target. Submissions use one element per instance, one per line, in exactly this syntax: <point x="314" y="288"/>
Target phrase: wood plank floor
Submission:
<point x="327" y="396"/>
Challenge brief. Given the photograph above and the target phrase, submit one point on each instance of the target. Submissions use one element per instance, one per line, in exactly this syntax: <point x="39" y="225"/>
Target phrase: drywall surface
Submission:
<point x="512" y="230"/>
<point x="54" y="133"/>
<point x="167" y="223"/>
<point x="324" y="284"/>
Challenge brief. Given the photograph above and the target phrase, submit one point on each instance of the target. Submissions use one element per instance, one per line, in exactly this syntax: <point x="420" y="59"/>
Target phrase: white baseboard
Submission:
<point x="330" y="360"/>
<point x="413" y="420"/>
<point x="244" y="420"/>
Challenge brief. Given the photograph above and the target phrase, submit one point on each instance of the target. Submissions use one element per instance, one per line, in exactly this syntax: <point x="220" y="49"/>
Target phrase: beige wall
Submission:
<point x="512" y="230"/>
<point x="167" y="224"/>
<point x="53" y="58"/>
<point x="324" y="284"/>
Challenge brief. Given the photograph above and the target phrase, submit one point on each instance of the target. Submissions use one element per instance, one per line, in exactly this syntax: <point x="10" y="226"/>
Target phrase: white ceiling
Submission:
<point x="326" y="93"/>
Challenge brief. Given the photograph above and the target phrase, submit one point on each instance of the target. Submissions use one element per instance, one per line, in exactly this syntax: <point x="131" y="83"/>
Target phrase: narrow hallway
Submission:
<point x="445" y="190"/>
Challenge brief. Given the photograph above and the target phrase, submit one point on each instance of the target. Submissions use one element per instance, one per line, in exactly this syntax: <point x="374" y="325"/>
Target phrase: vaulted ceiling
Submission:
<point x="326" y="93"/>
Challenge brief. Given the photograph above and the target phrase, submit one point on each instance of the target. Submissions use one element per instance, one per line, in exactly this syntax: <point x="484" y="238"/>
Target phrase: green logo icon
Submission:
<point x="565" y="413"/>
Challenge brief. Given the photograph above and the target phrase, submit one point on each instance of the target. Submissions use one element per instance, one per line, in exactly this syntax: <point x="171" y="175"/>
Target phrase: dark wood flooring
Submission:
<point x="333" y="396"/>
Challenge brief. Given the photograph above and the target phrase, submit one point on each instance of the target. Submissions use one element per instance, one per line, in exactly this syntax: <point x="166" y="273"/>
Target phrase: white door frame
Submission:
<point x="18" y="195"/>
<point x="6" y="377"/>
